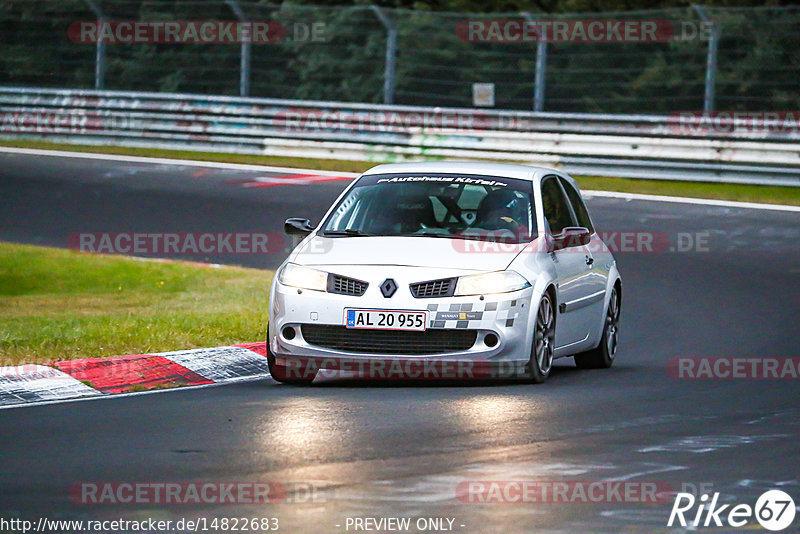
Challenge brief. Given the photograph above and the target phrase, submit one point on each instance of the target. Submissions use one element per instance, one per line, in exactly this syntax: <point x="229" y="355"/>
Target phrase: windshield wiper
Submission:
<point x="427" y="234"/>
<point x="487" y="238"/>
<point x="348" y="232"/>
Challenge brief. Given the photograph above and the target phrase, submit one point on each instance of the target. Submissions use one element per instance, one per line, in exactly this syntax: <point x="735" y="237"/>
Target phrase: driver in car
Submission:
<point x="501" y="210"/>
<point x="404" y="214"/>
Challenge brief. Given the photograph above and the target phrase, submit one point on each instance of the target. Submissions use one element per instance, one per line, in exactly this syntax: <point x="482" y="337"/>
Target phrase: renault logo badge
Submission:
<point x="388" y="287"/>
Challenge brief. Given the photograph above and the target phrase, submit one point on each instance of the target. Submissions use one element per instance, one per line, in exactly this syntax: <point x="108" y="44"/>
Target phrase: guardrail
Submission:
<point x="638" y="146"/>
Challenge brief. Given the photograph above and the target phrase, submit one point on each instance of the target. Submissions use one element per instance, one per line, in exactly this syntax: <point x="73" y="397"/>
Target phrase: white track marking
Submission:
<point x="131" y="394"/>
<point x="26" y="384"/>
<point x="290" y="170"/>
<point x="221" y="363"/>
<point x="689" y="200"/>
<point x="33" y="385"/>
<point x="167" y="161"/>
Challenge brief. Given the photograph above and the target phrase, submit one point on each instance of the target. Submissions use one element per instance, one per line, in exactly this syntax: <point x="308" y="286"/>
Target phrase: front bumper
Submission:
<point x="505" y="316"/>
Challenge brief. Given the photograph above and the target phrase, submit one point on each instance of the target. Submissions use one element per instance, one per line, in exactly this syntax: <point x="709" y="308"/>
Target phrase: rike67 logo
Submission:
<point x="774" y="510"/>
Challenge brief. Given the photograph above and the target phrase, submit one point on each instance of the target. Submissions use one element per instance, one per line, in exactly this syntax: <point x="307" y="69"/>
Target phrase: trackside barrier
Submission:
<point x="675" y="147"/>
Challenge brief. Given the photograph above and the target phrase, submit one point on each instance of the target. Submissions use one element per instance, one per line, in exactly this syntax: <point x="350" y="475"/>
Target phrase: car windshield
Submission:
<point x="436" y="205"/>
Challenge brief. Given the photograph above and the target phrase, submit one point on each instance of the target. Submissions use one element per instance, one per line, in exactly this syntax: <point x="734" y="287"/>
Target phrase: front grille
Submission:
<point x="434" y="288"/>
<point x="369" y="341"/>
<point x="346" y="286"/>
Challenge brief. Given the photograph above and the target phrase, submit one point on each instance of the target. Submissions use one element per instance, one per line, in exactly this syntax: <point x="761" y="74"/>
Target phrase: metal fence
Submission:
<point x="699" y="58"/>
<point x="641" y="146"/>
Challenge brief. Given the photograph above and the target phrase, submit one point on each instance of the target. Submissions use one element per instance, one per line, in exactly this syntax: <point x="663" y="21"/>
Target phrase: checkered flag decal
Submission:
<point x="470" y="315"/>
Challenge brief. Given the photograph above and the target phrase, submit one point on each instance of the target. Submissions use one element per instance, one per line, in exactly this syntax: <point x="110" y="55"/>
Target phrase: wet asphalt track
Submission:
<point x="401" y="449"/>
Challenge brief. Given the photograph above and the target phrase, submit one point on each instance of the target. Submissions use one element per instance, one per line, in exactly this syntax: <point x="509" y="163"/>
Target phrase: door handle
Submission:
<point x="589" y="260"/>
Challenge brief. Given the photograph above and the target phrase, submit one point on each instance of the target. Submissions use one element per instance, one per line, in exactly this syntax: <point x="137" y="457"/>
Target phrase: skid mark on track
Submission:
<point x="647" y="468"/>
<point x="706" y="444"/>
<point x="261" y="182"/>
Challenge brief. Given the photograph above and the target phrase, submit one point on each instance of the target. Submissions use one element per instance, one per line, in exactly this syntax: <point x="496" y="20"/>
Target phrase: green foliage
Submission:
<point x="348" y="65"/>
<point x="758" y="64"/>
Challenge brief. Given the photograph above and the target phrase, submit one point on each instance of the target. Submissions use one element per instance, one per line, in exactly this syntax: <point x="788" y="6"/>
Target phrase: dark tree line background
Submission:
<point x="559" y="6"/>
<point x="758" y="64"/>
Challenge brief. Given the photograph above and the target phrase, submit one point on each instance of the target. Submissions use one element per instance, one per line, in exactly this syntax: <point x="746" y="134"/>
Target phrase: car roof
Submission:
<point x="506" y="170"/>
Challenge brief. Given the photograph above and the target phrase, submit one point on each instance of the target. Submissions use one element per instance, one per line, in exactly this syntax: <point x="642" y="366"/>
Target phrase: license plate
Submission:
<point x="386" y="319"/>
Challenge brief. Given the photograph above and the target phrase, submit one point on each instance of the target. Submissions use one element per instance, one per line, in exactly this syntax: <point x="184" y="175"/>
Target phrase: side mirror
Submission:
<point x="572" y="236"/>
<point x="297" y="226"/>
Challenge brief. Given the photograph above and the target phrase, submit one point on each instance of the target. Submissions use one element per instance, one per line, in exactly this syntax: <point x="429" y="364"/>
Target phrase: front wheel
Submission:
<point x="602" y="357"/>
<point x="286" y="376"/>
<point x="543" y="346"/>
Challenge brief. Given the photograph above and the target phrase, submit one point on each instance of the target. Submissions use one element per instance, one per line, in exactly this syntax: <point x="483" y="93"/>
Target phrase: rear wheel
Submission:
<point x="288" y="376"/>
<point x="544" y="337"/>
<point x="602" y="357"/>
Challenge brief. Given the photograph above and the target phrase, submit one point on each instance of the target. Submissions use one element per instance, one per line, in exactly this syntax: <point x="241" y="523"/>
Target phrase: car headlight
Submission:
<point x="496" y="282"/>
<point x="303" y="277"/>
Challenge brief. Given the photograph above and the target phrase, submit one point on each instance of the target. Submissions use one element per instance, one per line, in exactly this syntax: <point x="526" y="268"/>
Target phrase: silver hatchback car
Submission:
<point x="467" y="265"/>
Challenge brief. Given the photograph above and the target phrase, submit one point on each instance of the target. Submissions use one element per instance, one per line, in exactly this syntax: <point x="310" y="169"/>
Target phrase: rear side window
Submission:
<point x="578" y="206"/>
<point x="555" y="206"/>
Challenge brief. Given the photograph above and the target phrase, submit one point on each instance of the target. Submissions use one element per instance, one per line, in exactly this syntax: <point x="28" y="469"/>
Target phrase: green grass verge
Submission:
<point x="740" y="192"/>
<point x="59" y="304"/>
<point x="767" y="194"/>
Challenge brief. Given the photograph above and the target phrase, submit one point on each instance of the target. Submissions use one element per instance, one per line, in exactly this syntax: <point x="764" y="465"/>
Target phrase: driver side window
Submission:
<point x="555" y="206"/>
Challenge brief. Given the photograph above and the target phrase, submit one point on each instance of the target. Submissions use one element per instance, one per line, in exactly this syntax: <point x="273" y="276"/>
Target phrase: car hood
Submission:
<point x="410" y="251"/>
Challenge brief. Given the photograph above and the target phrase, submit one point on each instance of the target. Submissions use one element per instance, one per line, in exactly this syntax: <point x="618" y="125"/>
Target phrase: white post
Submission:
<point x="539" y="76"/>
<point x="391" y="55"/>
<point x="100" y="48"/>
<point x="711" y="59"/>
<point x="244" y="62"/>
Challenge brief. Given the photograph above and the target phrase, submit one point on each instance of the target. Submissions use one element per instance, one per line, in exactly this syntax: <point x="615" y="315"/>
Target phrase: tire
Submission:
<point x="280" y="374"/>
<point x="602" y="357"/>
<point x="543" y="344"/>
